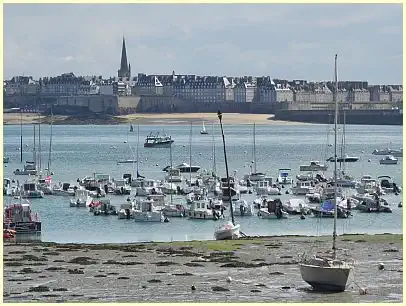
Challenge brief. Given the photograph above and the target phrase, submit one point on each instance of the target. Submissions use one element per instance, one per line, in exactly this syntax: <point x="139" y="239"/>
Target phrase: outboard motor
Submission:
<point x="127" y="213"/>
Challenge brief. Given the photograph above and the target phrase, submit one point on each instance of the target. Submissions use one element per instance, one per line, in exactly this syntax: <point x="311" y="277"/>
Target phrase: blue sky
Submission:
<point x="290" y="41"/>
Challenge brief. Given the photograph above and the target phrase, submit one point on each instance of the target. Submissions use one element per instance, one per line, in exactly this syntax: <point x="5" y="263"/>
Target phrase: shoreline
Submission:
<point x="148" y="119"/>
<point x="258" y="269"/>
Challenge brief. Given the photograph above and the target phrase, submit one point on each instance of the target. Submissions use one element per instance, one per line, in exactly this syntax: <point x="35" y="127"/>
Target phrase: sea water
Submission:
<point x="81" y="150"/>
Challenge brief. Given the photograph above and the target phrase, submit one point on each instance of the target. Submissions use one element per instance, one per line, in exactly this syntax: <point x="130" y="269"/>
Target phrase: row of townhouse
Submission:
<point x="212" y="89"/>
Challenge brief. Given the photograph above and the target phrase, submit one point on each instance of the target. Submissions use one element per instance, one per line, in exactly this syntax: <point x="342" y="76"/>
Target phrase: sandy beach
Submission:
<point x="156" y="119"/>
<point x="262" y="269"/>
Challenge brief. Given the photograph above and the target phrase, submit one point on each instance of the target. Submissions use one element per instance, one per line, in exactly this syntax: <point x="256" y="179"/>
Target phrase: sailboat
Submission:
<point x="229" y="230"/>
<point x="323" y="273"/>
<point x="254" y="175"/>
<point x="203" y="131"/>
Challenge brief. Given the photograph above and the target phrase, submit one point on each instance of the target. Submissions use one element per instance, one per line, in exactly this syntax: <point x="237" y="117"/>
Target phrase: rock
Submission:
<point x="229" y="279"/>
<point x="362" y="291"/>
<point x="193" y="287"/>
<point x="381" y="266"/>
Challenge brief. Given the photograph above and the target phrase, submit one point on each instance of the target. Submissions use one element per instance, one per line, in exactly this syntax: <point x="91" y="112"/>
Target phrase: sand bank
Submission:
<point x="156" y="119"/>
<point x="260" y="269"/>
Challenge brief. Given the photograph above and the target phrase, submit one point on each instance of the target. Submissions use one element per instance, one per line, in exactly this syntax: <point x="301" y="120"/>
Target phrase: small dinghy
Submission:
<point x="227" y="231"/>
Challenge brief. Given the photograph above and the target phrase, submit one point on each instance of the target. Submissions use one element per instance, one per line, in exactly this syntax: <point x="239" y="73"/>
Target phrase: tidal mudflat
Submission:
<point x="261" y="269"/>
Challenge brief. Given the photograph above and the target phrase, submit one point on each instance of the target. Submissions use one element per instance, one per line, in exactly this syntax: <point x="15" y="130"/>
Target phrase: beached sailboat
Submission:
<point x="324" y="273"/>
<point x="203" y="131"/>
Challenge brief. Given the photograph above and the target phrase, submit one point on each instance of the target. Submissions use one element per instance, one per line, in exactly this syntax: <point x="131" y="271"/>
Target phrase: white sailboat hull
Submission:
<point x="326" y="278"/>
<point x="228" y="231"/>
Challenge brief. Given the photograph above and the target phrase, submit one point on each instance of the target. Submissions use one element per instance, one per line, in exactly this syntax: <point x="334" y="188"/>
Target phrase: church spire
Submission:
<point x="124" y="65"/>
<point x="124" y="70"/>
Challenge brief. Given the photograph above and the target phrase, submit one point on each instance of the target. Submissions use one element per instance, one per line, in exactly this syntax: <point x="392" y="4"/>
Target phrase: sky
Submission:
<point x="285" y="41"/>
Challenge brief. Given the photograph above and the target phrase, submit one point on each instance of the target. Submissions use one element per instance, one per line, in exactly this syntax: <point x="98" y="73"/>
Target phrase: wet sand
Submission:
<point x="262" y="269"/>
<point x="156" y="119"/>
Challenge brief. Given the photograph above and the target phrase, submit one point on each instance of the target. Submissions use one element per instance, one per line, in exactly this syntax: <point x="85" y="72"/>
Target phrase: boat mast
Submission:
<point x="39" y="140"/>
<point x="190" y="154"/>
<point x="34" y="152"/>
<point x="335" y="156"/>
<point x="214" y="149"/>
<point x="344" y="153"/>
<point x="220" y="116"/>
<point x="50" y="145"/>
<point x="170" y="155"/>
<point x="21" y="135"/>
<point x="138" y="140"/>
<point x="255" y="155"/>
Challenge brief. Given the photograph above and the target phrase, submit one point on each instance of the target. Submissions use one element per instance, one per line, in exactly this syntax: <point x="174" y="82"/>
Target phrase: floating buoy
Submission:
<point x="125" y="141"/>
<point x="362" y="291"/>
<point x="362" y="151"/>
<point x="302" y="217"/>
<point x="229" y="279"/>
<point x="369" y="160"/>
<point x="381" y="266"/>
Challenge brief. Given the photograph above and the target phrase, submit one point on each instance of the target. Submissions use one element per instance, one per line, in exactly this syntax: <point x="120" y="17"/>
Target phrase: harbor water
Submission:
<point x="81" y="150"/>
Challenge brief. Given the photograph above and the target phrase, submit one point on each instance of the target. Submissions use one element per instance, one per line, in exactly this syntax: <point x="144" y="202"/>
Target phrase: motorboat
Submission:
<point x="225" y="190"/>
<point x="227" y="231"/>
<point x="302" y="188"/>
<point x="146" y="212"/>
<point x="264" y="187"/>
<point x="388" y="160"/>
<point x="174" y="210"/>
<point x="102" y="207"/>
<point x="346" y="159"/>
<point x="373" y="205"/>
<point x="186" y="168"/>
<point x="388" y="185"/>
<point x="126" y="210"/>
<point x="296" y="207"/>
<point x="127" y="161"/>
<point x="82" y="198"/>
<point x="284" y="177"/>
<point x="255" y="177"/>
<point x="147" y="187"/>
<point x="367" y="185"/>
<point x="274" y="210"/>
<point x="169" y="188"/>
<point x="242" y="208"/>
<point x="199" y="209"/>
<point x="122" y="187"/>
<point x="326" y="210"/>
<point x="30" y="191"/>
<point x="261" y="202"/>
<point x="21" y="219"/>
<point x="30" y="168"/>
<point x="158" y="141"/>
<point x="313" y="166"/>
<point x="388" y="151"/>
<point x="173" y="176"/>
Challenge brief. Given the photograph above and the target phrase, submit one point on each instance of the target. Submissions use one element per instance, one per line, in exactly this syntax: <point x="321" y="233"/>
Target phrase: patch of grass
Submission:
<point x="13" y="264"/>
<point x="219" y="289"/>
<point x="377" y="238"/>
<point x="28" y="270"/>
<point x="33" y="258"/>
<point x="193" y="264"/>
<point x="51" y="253"/>
<point x="154" y="281"/>
<point x="60" y="289"/>
<point x="17" y="252"/>
<point x="215" y="245"/>
<point x="123" y="277"/>
<point x="183" y="274"/>
<point x="100" y="275"/>
<point x="55" y="269"/>
<point x="123" y="263"/>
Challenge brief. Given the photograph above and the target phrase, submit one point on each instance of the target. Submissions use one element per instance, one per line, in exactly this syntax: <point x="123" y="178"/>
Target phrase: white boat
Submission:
<point x="146" y="212"/>
<point x="30" y="191"/>
<point x="388" y="151"/>
<point x="186" y="168"/>
<point x="389" y="160"/>
<point x="302" y="188"/>
<point x="158" y="141"/>
<point x="327" y="274"/>
<point x="242" y="208"/>
<point x="121" y="187"/>
<point x="203" y="131"/>
<point x="264" y="187"/>
<point x="126" y="210"/>
<point x="283" y="177"/>
<point x="296" y="207"/>
<point x="174" y="210"/>
<point x="313" y="166"/>
<point x="199" y="209"/>
<point x="169" y="188"/>
<point x="367" y="185"/>
<point x="29" y="169"/>
<point x="148" y="187"/>
<point x="388" y="185"/>
<point x="274" y="210"/>
<point x="173" y="176"/>
<point x="227" y="231"/>
<point x="82" y="198"/>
